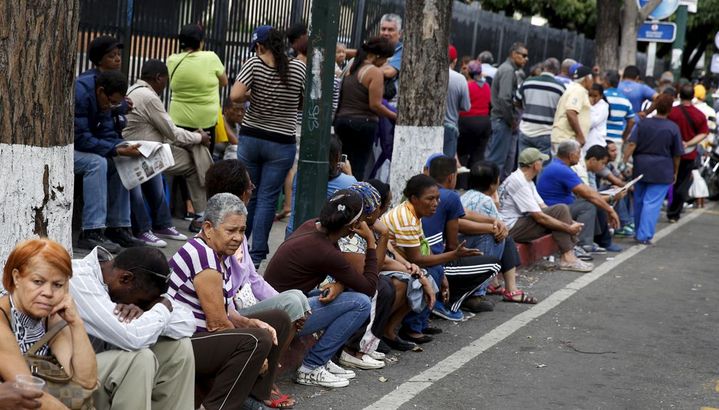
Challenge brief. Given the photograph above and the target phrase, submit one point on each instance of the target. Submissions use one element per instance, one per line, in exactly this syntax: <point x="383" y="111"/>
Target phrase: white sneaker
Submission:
<point x="365" y="363"/>
<point x="339" y="371"/>
<point x="376" y="355"/>
<point x="320" y="377"/>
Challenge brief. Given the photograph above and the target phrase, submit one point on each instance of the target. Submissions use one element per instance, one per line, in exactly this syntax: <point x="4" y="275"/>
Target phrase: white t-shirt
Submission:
<point x="518" y="197"/>
<point x="598" y="130"/>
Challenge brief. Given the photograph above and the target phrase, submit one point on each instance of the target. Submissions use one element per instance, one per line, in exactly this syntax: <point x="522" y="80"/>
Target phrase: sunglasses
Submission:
<point x="524" y="55"/>
<point x="103" y="255"/>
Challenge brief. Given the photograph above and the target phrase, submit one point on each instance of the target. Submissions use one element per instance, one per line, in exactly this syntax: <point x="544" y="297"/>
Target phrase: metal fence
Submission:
<point x="149" y="28"/>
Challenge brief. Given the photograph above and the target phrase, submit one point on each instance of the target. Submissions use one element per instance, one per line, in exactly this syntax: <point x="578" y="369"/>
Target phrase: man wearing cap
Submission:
<point x="457" y="100"/>
<point x="106" y="201"/>
<point x="539" y="97"/>
<point x="144" y="357"/>
<point x="573" y="118"/>
<point x="529" y="218"/>
<point x="502" y="147"/>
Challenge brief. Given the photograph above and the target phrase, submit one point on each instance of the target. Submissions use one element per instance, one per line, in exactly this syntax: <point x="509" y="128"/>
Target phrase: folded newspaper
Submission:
<point x="616" y="190"/>
<point x="156" y="157"/>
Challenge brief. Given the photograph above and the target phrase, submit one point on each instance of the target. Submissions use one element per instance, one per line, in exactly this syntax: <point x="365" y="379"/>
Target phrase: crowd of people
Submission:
<point x="549" y="154"/>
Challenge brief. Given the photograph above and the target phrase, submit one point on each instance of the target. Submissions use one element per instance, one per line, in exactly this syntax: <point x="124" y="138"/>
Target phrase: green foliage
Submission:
<point x="578" y="15"/>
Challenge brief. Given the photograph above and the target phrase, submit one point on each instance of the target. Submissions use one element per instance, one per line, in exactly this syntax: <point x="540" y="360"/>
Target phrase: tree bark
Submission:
<point x="422" y="89"/>
<point x="632" y="17"/>
<point x="607" y="39"/>
<point x="37" y="66"/>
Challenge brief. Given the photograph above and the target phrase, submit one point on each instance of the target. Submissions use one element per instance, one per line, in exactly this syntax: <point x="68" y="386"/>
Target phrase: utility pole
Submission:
<point x="313" y="167"/>
<point x="678" y="45"/>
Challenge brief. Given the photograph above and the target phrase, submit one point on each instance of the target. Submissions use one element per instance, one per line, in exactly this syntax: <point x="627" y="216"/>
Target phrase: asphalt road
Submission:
<point x="641" y="335"/>
<point x="640" y="332"/>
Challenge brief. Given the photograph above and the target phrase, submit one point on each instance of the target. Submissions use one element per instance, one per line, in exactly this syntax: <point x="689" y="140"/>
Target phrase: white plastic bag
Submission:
<point x="699" y="187"/>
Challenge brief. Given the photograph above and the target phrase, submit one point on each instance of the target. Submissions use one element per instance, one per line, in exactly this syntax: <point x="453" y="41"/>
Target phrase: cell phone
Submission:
<point x="343" y="158"/>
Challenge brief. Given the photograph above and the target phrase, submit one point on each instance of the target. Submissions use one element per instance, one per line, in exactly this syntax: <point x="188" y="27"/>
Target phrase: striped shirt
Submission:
<point x="273" y="105"/>
<point x="539" y="95"/>
<point x="194" y="257"/>
<point x="405" y="229"/>
<point x="620" y="111"/>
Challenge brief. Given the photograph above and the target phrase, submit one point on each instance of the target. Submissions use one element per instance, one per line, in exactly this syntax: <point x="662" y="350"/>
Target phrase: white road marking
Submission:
<point x="412" y="387"/>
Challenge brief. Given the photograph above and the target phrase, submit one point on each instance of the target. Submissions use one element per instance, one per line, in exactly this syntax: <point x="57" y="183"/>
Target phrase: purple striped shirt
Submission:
<point x="194" y="257"/>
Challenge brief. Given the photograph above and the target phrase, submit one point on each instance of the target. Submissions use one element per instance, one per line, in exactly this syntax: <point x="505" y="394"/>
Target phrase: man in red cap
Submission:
<point x="457" y="100"/>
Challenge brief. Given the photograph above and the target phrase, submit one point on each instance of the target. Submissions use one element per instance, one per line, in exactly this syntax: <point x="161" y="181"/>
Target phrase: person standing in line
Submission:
<point x="694" y="129"/>
<point x="274" y="85"/>
<point x="656" y="147"/>
<point x="457" y="100"/>
<point x="565" y="76"/>
<point x="621" y="114"/>
<point x="572" y="119"/>
<point x="635" y="91"/>
<point x="361" y="105"/>
<point x="599" y="114"/>
<point x="475" y="128"/>
<point x="488" y="70"/>
<point x="502" y="148"/>
<point x="539" y="97"/>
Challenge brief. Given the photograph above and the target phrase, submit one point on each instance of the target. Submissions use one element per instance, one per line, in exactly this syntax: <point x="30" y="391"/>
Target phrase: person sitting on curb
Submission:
<point x="529" y="218"/>
<point x="303" y="262"/>
<point x="149" y="121"/>
<point x="410" y="246"/>
<point x="559" y="184"/>
<point x="141" y="336"/>
<point x="235" y="356"/>
<point x="483" y="184"/>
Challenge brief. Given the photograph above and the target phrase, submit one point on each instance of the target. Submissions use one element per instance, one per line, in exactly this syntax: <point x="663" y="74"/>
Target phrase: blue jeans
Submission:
<point x="542" y="143"/>
<point x="623" y="208"/>
<point x="101" y="182"/>
<point x="339" y="319"/>
<point x="152" y="191"/>
<point x="502" y="148"/>
<point x="268" y="163"/>
<point x="648" y="200"/>
<point x="417" y="322"/>
<point x="451" y="135"/>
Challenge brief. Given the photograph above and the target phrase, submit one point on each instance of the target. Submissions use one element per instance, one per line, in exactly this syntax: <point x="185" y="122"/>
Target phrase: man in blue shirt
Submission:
<point x="634" y="90"/>
<point x="559" y="184"/>
<point x="106" y="201"/>
<point x="390" y="27"/>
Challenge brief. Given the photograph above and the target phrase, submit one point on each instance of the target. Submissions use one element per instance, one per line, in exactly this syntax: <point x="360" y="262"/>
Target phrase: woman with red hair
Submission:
<point x="36" y="278"/>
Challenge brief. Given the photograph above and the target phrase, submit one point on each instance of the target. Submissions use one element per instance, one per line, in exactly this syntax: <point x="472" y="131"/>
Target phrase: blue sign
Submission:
<point x="665" y="9"/>
<point x="654" y="31"/>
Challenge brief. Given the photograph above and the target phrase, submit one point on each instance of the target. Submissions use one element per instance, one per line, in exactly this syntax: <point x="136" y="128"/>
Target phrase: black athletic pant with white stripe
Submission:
<point x="230" y="361"/>
<point x="467" y="275"/>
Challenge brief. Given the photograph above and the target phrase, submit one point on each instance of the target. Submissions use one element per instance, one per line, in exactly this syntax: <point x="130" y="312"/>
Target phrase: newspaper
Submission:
<point x="614" y="191"/>
<point x="156" y="157"/>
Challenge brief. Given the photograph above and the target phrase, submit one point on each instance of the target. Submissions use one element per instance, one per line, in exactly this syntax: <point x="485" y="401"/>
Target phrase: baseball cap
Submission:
<point x="581" y="72"/>
<point x="573" y="68"/>
<point x="529" y="156"/>
<point x="260" y="35"/>
<point x="452" y="52"/>
<point x="431" y="157"/>
<point x="100" y="46"/>
<point x="700" y="92"/>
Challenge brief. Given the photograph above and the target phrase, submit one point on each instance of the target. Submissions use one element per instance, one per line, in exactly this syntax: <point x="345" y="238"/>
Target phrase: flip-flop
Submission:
<point x="278" y="400"/>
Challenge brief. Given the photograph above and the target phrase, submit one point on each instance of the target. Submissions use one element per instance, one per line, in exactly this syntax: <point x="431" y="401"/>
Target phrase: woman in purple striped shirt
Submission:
<point x="231" y="349"/>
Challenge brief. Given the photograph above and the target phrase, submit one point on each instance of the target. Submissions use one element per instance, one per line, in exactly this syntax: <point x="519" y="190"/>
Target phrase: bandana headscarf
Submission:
<point x="371" y="199"/>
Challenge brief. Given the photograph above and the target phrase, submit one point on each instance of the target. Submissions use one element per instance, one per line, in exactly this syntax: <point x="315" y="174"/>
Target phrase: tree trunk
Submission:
<point x="607" y="39"/>
<point x="632" y="18"/>
<point x="37" y="68"/>
<point x="422" y="89"/>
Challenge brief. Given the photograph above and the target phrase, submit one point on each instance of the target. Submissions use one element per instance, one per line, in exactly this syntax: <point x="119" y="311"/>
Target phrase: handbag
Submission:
<point x="57" y="382"/>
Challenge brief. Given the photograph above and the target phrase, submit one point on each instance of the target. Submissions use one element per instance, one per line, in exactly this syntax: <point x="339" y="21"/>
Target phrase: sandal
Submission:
<point x="496" y="290"/>
<point x="283" y="214"/>
<point x="523" y="297"/>
<point x="278" y="400"/>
